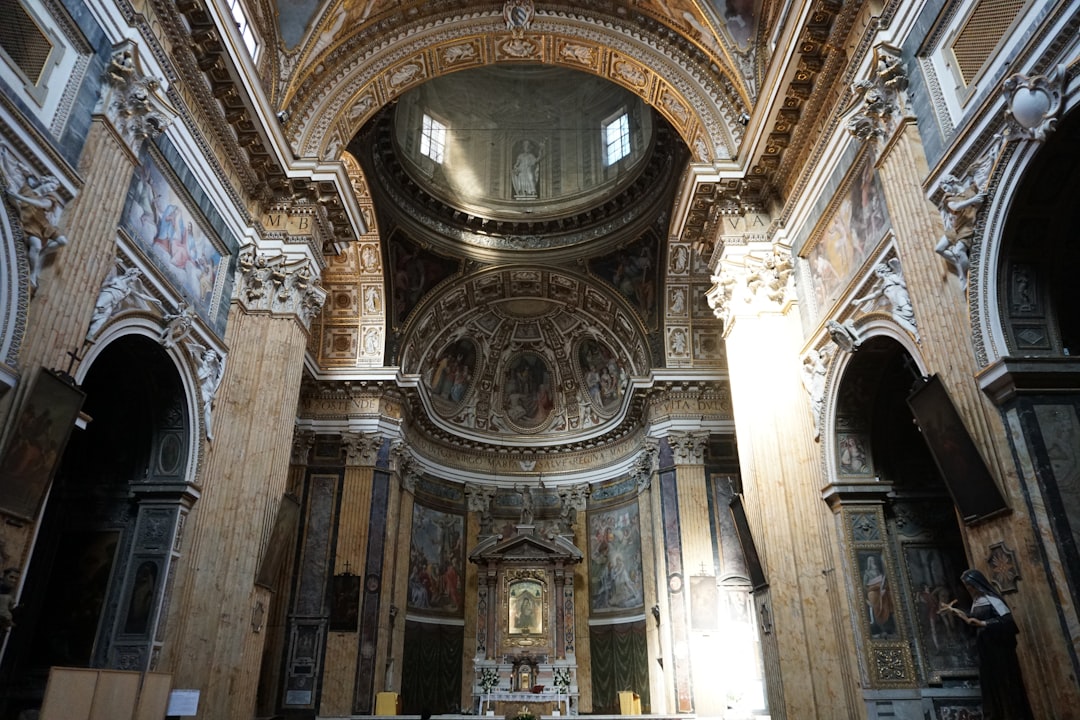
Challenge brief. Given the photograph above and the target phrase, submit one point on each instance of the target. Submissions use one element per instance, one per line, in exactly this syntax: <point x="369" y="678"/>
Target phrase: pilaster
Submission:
<point x="782" y="480"/>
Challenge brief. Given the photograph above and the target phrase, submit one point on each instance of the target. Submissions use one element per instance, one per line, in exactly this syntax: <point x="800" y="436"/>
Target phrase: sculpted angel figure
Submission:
<point x="115" y="291"/>
<point x="210" y="367"/>
<point x="958" y="209"/>
<point x="39" y="206"/>
<point x="892" y="287"/>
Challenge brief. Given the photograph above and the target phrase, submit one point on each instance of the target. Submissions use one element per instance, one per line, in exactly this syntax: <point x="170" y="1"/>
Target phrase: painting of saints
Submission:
<point x="436" y="555"/>
<point x="527" y="392"/>
<point x="615" y="559"/>
<point x="450" y="378"/>
<point x="855" y="228"/>
<point x="634" y="272"/>
<point x="878" y="595"/>
<point x="157" y="217"/>
<point x="603" y="378"/>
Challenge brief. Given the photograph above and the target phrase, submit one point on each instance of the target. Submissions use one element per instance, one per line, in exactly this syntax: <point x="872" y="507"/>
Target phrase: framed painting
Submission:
<point x="525" y="605"/>
<point x="853" y="225"/>
<point x="963" y="469"/>
<point x="947" y="645"/>
<point x="615" y="559"/>
<point x="436" y="562"/>
<point x="38" y="443"/>
<point x="172" y="231"/>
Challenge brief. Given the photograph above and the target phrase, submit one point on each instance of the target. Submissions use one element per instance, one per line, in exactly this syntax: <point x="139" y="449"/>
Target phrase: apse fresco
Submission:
<point x="856" y="227"/>
<point x="603" y="378"/>
<point x="436" y="561"/>
<point x="635" y="273"/>
<point x="413" y="271"/>
<point x="615" y="559"/>
<point x="160" y="220"/>
<point x="451" y="377"/>
<point x="528" y="398"/>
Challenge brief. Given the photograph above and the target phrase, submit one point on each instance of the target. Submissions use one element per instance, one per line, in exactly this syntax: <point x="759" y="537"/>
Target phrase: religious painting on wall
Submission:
<point x="948" y="644"/>
<point x="878" y="595"/>
<point x="527" y="398"/>
<point x="525" y="605"/>
<point x="451" y="377"/>
<point x="162" y="219"/>
<point x="615" y="559"/>
<point x="602" y="377"/>
<point x="140" y="603"/>
<point x="858" y="222"/>
<point x="413" y="271"/>
<point x="436" y="561"/>
<point x="37" y="443"/>
<point x="635" y="272"/>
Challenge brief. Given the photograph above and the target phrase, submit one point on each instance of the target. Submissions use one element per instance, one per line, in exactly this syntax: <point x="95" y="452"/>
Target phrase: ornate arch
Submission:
<point x="354" y="79"/>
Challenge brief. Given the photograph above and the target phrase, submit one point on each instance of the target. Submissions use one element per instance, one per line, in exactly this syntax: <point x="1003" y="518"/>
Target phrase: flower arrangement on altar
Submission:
<point x="488" y="679"/>
<point x="561" y="679"/>
<point x="523" y="714"/>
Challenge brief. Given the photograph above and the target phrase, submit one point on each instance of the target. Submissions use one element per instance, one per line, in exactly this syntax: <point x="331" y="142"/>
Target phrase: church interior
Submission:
<point x="704" y="358"/>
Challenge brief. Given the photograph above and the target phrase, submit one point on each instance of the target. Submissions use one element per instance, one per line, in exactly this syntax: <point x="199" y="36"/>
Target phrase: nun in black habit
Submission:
<point x="1000" y="680"/>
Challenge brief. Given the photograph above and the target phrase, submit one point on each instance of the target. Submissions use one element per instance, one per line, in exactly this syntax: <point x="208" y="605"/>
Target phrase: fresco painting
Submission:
<point x="527" y="393"/>
<point x="436" y="561"/>
<point x="160" y="221"/>
<point x="615" y="559"/>
<point x="413" y="271"/>
<point x="451" y="377"/>
<point x="635" y="273"/>
<point x="603" y="378"/>
<point x="947" y="643"/>
<point x="854" y="230"/>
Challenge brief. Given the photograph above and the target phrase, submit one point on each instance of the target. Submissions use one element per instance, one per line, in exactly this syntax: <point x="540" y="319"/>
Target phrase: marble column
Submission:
<point x="804" y="622"/>
<point x="211" y="643"/>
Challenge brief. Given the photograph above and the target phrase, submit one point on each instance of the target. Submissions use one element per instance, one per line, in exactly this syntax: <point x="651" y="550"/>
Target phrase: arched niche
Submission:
<point x="901" y="546"/>
<point x="97" y="578"/>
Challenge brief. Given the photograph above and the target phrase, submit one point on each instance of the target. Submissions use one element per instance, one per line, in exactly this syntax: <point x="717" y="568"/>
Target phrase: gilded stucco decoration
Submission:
<point x="525" y="352"/>
<point x="352" y="78"/>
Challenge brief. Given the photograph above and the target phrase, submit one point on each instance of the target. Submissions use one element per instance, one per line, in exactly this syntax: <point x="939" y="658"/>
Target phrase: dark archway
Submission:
<point x="907" y="552"/>
<point x="87" y="587"/>
<point x="1040" y="254"/>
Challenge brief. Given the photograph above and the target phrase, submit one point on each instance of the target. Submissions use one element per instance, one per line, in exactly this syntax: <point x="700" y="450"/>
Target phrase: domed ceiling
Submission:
<point x="524" y="313"/>
<point x="523" y="141"/>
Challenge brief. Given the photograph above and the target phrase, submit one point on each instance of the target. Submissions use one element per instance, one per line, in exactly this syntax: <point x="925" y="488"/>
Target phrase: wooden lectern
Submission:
<point x="629" y="703"/>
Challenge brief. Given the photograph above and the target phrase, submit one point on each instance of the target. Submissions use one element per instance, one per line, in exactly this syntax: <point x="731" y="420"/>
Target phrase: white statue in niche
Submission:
<point x="526" y="171"/>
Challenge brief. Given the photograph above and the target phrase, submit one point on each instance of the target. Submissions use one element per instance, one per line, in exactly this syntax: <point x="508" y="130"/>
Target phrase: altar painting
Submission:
<point x="526" y="607"/>
<point x="615" y="559"/>
<point x="436" y="560"/>
<point x="160" y="220"/>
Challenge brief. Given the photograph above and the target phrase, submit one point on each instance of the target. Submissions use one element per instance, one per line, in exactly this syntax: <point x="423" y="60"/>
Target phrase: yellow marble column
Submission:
<point x="782" y="481"/>
<point x="350" y="552"/>
<point x="211" y="644"/>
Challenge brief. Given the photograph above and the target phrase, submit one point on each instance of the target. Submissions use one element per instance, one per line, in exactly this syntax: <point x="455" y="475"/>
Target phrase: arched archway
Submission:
<point x="96" y="578"/>
<point x="1039" y="253"/>
<point x="903" y="550"/>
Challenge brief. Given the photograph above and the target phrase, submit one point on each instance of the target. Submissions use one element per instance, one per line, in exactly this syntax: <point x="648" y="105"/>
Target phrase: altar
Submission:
<point x="503" y="703"/>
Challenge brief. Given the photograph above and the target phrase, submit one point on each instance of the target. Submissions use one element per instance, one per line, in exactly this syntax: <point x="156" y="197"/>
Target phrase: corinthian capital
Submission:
<point x="278" y="284"/>
<point x="688" y="447"/>
<point x="130" y="99"/>
<point x="361" y="448"/>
